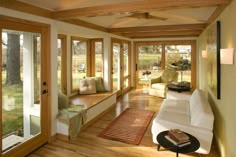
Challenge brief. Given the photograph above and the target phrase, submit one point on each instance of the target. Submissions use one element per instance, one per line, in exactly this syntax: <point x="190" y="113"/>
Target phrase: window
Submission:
<point x="178" y="57"/>
<point x="97" y="57"/>
<point x="79" y="61"/>
<point x="61" y="63"/>
<point x="154" y="57"/>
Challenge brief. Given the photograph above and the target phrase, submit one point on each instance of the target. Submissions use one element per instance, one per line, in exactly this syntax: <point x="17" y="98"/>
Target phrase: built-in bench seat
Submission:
<point x="95" y="105"/>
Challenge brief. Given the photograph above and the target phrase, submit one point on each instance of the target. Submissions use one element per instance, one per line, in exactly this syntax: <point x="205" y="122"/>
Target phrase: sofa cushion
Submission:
<point x="87" y="86"/>
<point x="200" y="111"/>
<point x="159" y="86"/>
<point x="178" y="106"/>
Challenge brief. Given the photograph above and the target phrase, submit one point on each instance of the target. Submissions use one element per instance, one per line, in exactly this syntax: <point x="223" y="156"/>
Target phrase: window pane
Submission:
<point x="149" y="62"/>
<point x="98" y="59"/>
<point x="116" y="66"/>
<point x="126" y="59"/>
<point x="178" y="57"/>
<point x="79" y="62"/>
<point x="59" y="63"/>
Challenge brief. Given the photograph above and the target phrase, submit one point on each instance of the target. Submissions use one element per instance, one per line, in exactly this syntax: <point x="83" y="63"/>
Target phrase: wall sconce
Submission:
<point x="204" y="54"/>
<point x="227" y="56"/>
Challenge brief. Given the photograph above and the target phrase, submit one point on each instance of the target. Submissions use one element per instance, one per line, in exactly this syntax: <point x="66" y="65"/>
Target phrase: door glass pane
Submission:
<point x="98" y="59"/>
<point x="178" y="57"/>
<point x="149" y="62"/>
<point x="116" y="66"/>
<point x="59" y="63"/>
<point x="79" y="62"/>
<point x="21" y="53"/>
<point x="126" y="59"/>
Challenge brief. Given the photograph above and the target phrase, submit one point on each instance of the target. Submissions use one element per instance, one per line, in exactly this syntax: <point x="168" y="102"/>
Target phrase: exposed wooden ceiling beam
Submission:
<point x="85" y="24"/>
<point x="24" y="7"/>
<point x="162" y="34"/>
<point x="158" y="28"/>
<point x="217" y="12"/>
<point x="146" y="5"/>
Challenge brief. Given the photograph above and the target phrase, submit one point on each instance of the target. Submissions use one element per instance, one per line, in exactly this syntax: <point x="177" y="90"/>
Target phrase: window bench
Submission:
<point x="95" y="104"/>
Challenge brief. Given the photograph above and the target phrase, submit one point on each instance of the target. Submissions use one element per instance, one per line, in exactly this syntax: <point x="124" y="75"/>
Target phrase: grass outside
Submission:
<point x="12" y="120"/>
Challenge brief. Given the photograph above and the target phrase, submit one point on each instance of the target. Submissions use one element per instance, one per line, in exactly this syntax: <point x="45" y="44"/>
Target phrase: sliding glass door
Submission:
<point x="24" y="88"/>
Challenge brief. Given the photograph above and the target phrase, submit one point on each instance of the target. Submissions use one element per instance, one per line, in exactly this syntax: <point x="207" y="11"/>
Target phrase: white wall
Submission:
<point x="58" y="27"/>
<point x="224" y="108"/>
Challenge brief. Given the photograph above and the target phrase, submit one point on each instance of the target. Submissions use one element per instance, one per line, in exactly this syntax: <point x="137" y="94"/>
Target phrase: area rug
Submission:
<point x="129" y="126"/>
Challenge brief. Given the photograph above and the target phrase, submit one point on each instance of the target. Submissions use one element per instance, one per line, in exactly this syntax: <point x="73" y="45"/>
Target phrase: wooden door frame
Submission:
<point x="163" y="43"/>
<point x="44" y="29"/>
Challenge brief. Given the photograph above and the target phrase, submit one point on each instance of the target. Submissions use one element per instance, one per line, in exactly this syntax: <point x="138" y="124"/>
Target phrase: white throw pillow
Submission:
<point x="87" y="86"/>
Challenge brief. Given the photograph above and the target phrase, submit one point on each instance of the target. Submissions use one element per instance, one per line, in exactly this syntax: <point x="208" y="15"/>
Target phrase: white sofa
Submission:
<point x="193" y="116"/>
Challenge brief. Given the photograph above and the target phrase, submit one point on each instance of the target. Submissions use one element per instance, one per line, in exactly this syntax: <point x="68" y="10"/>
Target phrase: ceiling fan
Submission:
<point x="144" y="15"/>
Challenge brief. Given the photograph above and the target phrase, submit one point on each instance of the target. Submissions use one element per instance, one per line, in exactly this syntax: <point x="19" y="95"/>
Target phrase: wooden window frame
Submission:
<point x="93" y="56"/>
<point x="88" y="60"/>
<point x="63" y="39"/>
<point x="164" y="43"/>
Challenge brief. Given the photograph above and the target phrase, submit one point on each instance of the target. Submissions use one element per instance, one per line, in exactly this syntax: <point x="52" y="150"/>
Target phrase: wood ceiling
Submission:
<point x="129" y="18"/>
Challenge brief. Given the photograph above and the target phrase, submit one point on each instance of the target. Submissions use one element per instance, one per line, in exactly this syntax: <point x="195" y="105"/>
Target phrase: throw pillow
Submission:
<point x="99" y="84"/>
<point x="63" y="101"/>
<point x="87" y="86"/>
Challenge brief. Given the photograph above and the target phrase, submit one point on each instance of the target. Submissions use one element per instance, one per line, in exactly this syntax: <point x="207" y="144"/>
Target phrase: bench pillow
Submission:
<point x="200" y="111"/>
<point x="63" y="101"/>
<point x="87" y="86"/>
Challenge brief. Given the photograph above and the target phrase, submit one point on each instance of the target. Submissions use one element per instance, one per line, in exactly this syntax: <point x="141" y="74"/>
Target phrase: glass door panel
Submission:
<point x="21" y="87"/>
<point x="149" y="63"/>
<point x="116" y="67"/>
<point x="178" y="57"/>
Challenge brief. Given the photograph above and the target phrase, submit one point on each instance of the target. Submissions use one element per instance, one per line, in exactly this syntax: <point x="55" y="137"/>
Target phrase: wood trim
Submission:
<point x="24" y="7"/>
<point x="158" y="28"/>
<point x="193" y="64"/>
<point x="63" y="62"/>
<point x="136" y="6"/>
<point x="85" y="24"/>
<point x="193" y="33"/>
<point x="1" y="89"/>
<point x="217" y="12"/>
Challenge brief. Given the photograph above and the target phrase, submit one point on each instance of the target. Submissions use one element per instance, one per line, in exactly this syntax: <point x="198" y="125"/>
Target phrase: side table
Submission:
<point x="178" y="87"/>
<point x="193" y="146"/>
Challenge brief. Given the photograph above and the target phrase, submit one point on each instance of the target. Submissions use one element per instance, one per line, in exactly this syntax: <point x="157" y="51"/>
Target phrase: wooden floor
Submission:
<point x="89" y="145"/>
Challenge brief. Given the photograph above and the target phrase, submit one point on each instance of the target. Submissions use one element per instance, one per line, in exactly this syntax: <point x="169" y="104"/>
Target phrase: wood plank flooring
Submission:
<point x="89" y="145"/>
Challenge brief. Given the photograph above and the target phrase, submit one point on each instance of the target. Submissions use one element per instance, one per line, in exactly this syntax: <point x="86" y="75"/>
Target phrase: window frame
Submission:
<point x="88" y="61"/>
<point x="63" y="39"/>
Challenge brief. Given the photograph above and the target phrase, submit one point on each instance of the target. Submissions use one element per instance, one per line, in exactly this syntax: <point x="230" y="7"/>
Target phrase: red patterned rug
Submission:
<point x="129" y="126"/>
